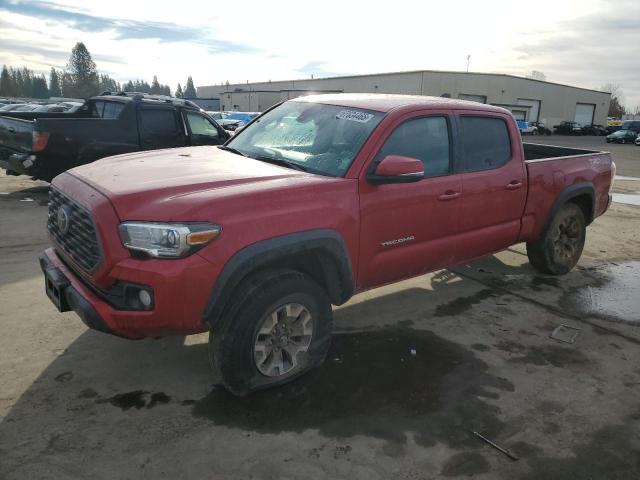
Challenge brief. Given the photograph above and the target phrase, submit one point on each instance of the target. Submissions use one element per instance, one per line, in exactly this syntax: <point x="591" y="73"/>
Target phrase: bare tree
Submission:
<point x="537" y="75"/>
<point x="616" y="107"/>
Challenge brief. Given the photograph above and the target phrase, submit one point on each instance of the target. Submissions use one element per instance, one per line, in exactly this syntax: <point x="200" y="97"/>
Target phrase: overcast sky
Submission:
<point x="586" y="43"/>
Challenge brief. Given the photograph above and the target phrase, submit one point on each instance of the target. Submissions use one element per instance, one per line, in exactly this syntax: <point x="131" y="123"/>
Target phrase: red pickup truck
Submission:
<point x="316" y="200"/>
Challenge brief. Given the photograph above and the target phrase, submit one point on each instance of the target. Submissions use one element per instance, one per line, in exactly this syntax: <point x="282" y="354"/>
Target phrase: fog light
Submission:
<point x="145" y="298"/>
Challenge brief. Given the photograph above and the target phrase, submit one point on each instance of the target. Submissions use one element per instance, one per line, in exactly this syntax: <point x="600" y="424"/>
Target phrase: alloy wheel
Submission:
<point x="283" y="339"/>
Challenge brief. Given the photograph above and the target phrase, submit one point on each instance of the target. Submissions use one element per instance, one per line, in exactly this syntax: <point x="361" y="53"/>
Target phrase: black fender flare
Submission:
<point x="572" y="191"/>
<point x="338" y="273"/>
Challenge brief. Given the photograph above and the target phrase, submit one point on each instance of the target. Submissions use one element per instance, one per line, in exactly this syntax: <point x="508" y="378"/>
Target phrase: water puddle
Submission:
<point x="627" y="198"/>
<point x="615" y="295"/>
<point x="381" y="384"/>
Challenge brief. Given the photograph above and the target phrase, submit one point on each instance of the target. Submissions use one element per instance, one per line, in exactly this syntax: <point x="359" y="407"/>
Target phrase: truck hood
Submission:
<point x="139" y="185"/>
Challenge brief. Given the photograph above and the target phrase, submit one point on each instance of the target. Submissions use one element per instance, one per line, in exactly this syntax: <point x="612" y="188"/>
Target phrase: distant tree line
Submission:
<point x="80" y="79"/>
<point x="22" y="82"/>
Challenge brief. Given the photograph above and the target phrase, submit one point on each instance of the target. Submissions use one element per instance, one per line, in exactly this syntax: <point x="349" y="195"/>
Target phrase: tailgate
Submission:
<point x="15" y="135"/>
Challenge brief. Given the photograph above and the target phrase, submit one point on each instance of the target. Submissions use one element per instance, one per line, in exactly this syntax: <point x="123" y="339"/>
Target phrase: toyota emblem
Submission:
<point x="63" y="220"/>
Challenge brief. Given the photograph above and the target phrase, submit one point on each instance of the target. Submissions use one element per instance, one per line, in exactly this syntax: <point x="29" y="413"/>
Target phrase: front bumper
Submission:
<point x="181" y="290"/>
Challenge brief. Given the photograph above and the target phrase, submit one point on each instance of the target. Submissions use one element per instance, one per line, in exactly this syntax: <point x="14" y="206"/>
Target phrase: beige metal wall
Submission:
<point x="557" y="102"/>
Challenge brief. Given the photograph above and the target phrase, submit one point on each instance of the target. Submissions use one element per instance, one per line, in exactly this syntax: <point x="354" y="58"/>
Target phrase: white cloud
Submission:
<point x="575" y="42"/>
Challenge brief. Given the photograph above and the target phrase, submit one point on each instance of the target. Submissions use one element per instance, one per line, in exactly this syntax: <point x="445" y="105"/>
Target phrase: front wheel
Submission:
<point x="559" y="248"/>
<point x="279" y="327"/>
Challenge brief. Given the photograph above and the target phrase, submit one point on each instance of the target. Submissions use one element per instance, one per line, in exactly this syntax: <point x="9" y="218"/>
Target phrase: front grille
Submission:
<point x="80" y="241"/>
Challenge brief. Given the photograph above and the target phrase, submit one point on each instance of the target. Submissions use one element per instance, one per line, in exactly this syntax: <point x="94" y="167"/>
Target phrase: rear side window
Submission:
<point x="158" y="121"/>
<point x="102" y="109"/>
<point x="112" y="109"/>
<point x="485" y="143"/>
<point x="426" y="139"/>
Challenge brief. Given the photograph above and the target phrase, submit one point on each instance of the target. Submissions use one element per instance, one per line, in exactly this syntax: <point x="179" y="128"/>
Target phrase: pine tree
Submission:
<point x="156" y="89"/>
<point x="66" y="84"/>
<point x="107" y="84"/>
<point x="54" y="84"/>
<point x="7" y="88"/>
<point x="190" y="90"/>
<point x="83" y="72"/>
<point x="27" y="83"/>
<point x="40" y="89"/>
<point x="17" y="81"/>
<point x="128" y="87"/>
<point x="179" y="93"/>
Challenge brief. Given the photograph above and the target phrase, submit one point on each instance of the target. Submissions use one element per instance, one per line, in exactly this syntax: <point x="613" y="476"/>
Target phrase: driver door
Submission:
<point x="408" y="229"/>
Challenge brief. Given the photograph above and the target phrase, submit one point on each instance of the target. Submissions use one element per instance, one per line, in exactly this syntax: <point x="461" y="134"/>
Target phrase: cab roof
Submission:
<point x="384" y="103"/>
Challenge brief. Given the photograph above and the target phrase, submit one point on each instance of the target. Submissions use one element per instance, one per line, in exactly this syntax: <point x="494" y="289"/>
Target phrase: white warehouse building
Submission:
<point x="528" y="99"/>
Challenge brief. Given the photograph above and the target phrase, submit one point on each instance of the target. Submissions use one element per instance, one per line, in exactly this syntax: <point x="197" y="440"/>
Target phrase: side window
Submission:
<point x="158" y="122"/>
<point x="199" y="125"/>
<point x="426" y="139"/>
<point x="485" y="143"/>
<point x="112" y="109"/>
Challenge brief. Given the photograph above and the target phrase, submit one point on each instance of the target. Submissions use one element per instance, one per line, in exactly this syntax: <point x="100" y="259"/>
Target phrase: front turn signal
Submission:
<point x="203" y="237"/>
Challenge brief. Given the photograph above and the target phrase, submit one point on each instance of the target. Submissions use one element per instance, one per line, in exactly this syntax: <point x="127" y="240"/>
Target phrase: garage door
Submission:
<point x="520" y="114"/>
<point x="473" y="98"/>
<point x="534" y="111"/>
<point x="584" y="113"/>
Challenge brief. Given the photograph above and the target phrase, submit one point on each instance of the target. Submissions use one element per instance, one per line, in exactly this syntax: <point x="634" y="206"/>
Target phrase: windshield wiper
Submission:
<point x="232" y="150"/>
<point x="282" y="162"/>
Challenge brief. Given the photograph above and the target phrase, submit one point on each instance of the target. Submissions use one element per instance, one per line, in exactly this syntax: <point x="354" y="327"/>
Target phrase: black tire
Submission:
<point x="559" y="248"/>
<point x="231" y="346"/>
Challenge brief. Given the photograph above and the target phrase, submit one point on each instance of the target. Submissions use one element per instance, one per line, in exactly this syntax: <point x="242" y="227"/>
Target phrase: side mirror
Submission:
<point x="397" y="169"/>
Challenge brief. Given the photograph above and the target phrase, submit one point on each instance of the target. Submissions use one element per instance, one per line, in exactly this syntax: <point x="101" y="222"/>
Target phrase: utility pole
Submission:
<point x="468" y="58"/>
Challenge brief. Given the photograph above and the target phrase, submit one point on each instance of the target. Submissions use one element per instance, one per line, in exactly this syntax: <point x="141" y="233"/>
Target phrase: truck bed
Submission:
<point x="552" y="170"/>
<point x="534" y="152"/>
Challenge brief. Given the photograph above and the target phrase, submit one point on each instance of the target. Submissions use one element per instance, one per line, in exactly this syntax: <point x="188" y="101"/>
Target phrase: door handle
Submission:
<point x="448" y="195"/>
<point x="514" y="185"/>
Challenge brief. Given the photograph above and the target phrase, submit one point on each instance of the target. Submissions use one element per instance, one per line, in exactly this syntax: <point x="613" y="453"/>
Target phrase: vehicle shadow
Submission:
<point x="103" y="390"/>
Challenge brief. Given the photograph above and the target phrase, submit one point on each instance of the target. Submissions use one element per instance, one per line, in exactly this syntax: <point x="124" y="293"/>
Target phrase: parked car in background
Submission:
<point x="326" y="196"/>
<point x="622" y="136"/>
<point x="613" y="124"/>
<point x="568" y="128"/>
<point x="215" y="115"/>
<point x="26" y="107"/>
<point x="71" y="107"/>
<point x="638" y="140"/>
<point x="11" y="107"/>
<point x="541" y="128"/>
<point x="51" y="107"/>
<point x="222" y="120"/>
<point x="597" y="130"/>
<point x="526" y="128"/>
<point x="243" y="117"/>
<point x="45" y="144"/>
<point x="633" y="125"/>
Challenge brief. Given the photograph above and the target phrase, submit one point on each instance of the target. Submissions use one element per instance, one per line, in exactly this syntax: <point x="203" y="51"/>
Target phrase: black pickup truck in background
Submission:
<point x="44" y="145"/>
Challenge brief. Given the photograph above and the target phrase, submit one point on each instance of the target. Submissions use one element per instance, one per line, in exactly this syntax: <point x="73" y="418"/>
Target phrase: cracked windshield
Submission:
<point x="322" y="139"/>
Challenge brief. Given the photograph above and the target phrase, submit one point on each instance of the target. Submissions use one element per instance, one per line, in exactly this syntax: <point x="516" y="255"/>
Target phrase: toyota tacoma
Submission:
<point x="319" y="198"/>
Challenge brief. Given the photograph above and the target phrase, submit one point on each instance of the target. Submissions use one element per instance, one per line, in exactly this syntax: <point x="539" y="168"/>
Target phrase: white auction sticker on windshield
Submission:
<point x="354" y="116"/>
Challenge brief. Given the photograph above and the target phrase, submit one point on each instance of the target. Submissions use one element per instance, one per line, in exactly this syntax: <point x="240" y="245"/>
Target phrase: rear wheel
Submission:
<point x="559" y="248"/>
<point x="278" y="327"/>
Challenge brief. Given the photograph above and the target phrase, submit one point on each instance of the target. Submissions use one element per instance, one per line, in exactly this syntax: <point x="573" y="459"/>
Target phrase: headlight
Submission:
<point x="167" y="240"/>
